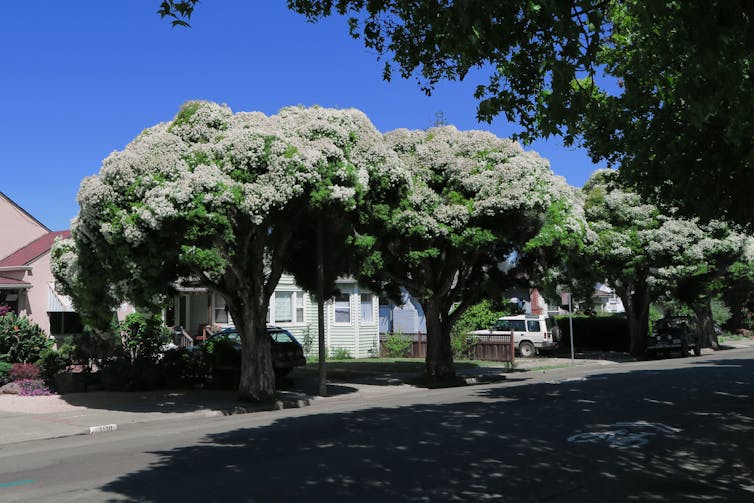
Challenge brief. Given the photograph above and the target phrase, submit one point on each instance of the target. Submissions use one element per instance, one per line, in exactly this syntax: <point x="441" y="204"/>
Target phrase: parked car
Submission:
<point x="531" y="332"/>
<point x="287" y="352"/>
<point x="675" y="333"/>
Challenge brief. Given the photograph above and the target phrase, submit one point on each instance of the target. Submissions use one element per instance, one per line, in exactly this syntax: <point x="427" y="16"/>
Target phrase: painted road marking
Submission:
<point x="624" y="434"/>
<point x="15" y="483"/>
<point x="103" y="428"/>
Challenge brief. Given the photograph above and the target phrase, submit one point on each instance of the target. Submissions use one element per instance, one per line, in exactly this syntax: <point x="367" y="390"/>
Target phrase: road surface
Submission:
<point x="673" y="430"/>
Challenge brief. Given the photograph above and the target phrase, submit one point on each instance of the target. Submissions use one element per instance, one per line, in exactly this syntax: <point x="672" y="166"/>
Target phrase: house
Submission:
<point x="605" y="300"/>
<point x="350" y="319"/>
<point x="26" y="280"/>
<point x="27" y="287"/>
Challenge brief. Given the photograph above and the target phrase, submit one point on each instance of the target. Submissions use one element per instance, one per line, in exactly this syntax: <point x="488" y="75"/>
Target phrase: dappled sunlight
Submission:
<point x="668" y="435"/>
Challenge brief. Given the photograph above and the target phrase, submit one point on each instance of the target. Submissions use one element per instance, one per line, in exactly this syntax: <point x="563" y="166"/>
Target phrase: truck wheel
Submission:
<point x="526" y="349"/>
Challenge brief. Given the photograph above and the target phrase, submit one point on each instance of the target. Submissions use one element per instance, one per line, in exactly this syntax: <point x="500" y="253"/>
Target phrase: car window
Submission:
<point x="518" y="325"/>
<point x="502" y="325"/>
<point x="532" y="325"/>
<point x="282" y="337"/>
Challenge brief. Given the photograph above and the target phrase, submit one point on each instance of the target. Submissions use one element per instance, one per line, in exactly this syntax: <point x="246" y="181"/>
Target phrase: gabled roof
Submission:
<point x="11" y="201"/>
<point x="27" y="254"/>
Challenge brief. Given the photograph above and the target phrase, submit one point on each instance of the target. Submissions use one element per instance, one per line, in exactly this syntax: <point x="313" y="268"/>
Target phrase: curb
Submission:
<point x="233" y="411"/>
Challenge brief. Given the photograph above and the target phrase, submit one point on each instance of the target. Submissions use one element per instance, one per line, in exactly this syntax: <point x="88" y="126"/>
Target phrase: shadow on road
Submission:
<point x="556" y="441"/>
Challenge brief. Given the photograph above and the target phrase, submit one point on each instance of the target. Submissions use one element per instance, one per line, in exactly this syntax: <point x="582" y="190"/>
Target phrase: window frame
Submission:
<point x="335" y="309"/>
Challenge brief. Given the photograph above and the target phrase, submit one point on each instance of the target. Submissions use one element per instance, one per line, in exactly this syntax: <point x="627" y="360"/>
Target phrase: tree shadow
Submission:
<point x="509" y="443"/>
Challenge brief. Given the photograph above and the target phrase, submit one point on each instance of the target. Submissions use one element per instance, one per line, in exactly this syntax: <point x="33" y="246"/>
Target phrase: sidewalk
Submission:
<point x="42" y="417"/>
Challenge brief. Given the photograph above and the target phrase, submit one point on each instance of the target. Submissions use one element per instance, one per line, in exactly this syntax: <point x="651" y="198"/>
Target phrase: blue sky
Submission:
<point x="82" y="78"/>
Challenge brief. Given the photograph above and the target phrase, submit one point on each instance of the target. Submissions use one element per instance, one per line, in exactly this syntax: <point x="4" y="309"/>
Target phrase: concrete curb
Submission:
<point x="233" y="411"/>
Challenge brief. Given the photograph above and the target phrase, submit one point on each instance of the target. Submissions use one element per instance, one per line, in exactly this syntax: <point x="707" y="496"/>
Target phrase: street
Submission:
<point x="677" y="430"/>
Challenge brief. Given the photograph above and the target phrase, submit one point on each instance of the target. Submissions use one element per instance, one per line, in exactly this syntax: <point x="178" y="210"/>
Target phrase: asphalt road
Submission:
<point x="672" y="430"/>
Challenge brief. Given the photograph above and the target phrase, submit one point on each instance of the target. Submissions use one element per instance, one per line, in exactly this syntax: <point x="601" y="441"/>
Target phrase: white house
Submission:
<point x="351" y="319"/>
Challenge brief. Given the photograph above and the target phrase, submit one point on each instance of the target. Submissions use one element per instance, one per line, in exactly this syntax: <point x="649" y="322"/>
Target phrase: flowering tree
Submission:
<point x="638" y="249"/>
<point x="214" y="198"/>
<point x="475" y="203"/>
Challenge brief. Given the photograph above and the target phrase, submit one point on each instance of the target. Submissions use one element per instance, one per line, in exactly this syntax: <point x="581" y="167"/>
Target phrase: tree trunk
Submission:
<point x="705" y="323"/>
<point x="635" y="299"/>
<point x="257" y="383"/>
<point x="439" y="359"/>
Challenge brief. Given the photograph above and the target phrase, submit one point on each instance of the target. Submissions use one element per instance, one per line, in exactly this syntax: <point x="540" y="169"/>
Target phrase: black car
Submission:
<point x="676" y="333"/>
<point x="287" y="352"/>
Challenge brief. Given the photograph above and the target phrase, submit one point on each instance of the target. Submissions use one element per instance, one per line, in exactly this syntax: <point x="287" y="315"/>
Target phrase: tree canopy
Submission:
<point x="659" y="89"/>
<point x="476" y="202"/>
<point x="214" y="198"/>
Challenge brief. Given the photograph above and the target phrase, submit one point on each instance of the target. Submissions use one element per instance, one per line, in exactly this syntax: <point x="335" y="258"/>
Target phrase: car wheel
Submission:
<point x="697" y="350"/>
<point x="666" y="353"/>
<point x="684" y="351"/>
<point x="526" y="349"/>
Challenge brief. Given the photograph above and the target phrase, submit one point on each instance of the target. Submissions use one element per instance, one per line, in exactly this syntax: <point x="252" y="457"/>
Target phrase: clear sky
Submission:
<point x="82" y="78"/>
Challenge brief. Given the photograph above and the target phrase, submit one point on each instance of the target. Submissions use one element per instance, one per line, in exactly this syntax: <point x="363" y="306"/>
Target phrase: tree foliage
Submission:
<point x="476" y="201"/>
<point x="214" y="198"/>
<point x="661" y="89"/>
<point x="640" y="250"/>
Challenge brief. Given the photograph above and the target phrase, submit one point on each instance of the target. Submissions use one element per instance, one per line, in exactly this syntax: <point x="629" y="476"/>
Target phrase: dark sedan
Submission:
<point x="287" y="352"/>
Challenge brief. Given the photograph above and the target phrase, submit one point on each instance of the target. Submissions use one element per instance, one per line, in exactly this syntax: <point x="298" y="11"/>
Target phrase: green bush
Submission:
<point x="5" y="373"/>
<point x="604" y="333"/>
<point x="142" y="337"/>
<point x="397" y="345"/>
<point x="53" y="361"/>
<point x="340" y="354"/>
<point x="183" y="367"/>
<point x="21" y="340"/>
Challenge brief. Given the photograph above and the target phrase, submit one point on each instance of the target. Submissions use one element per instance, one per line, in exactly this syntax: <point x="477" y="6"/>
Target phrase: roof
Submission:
<point x="27" y="254"/>
<point x="12" y="283"/>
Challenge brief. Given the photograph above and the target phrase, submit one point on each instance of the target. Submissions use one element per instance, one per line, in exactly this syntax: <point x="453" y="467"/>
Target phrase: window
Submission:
<point x="518" y="325"/>
<point x="286" y="307"/>
<point x="532" y="325"/>
<point x="221" y="310"/>
<point x="343" y="309"/>
<point x="283" y="307"/>
<point x="299" y="296"/>
<point x="367" y="310"/>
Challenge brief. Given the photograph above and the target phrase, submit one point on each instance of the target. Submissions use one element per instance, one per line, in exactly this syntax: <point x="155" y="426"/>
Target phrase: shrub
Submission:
<point x="397" y="345"/>
<point x="21" y="371"/>
<point x="181" y="366"/>
<point x="32" y="387"/>
<point x="340" y="354"/>
<point x="142" y="337"/>
<point x="20" y="339"/>
<point x="53" y="361"/>
<point x="605" y="333"/>
<point x="5" y="372"/>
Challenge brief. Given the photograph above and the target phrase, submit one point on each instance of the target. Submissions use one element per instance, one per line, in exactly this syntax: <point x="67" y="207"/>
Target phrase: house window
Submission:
<point x="286" y="307"/>
<point x="367" y="309"/>
<point x="299" y="296"/>
<point x="283" y="307"/>
<point x="221" y="310"/>
<point x="342" y="307"/>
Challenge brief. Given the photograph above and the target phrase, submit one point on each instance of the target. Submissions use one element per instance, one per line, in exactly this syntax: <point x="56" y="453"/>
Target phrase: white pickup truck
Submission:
<point x="531" y="332"/>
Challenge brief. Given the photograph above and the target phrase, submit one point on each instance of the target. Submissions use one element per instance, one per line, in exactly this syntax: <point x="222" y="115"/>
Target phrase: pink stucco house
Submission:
<point x="26" y="281"/>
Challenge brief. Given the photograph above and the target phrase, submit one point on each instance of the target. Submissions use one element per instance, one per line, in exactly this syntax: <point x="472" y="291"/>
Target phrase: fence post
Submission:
<point x="513" y="348"/>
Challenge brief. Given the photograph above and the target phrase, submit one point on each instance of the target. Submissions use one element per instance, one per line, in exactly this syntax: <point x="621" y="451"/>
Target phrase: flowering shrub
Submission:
<point x="32" y="387"/>
<point x="4" y="310"/>
<point x="21" y="371"/>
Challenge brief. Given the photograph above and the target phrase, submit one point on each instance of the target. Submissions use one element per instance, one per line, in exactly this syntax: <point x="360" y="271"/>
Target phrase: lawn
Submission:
<point x="382" y="366"/>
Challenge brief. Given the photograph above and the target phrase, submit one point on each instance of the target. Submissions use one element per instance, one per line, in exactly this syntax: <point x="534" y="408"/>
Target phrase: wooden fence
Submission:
<point x="499" y="348"/>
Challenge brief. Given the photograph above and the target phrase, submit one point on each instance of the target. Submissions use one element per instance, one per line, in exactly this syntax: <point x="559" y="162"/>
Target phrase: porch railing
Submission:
<point x="181" y="338"/>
